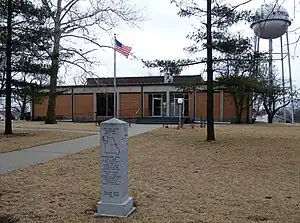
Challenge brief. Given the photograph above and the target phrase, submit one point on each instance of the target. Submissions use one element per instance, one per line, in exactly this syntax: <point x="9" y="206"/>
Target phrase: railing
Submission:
<point x="83" y="117"/>
<point x="202" y="122"/>
<point x="128" y="115"/>
<point x="86" y="114"/>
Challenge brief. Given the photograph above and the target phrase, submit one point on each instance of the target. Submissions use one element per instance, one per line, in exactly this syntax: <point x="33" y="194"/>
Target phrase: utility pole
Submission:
<point x="210" y="90"/>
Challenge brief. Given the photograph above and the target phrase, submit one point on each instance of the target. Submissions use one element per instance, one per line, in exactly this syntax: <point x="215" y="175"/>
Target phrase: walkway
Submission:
<point x="39" y="154"/>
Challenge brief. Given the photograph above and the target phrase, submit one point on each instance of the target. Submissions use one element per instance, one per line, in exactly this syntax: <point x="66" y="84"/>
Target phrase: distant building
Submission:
<point x="137" y="97"/>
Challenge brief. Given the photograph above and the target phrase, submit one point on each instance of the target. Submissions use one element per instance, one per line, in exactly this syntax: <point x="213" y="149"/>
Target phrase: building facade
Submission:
<point x="137" y="97"/>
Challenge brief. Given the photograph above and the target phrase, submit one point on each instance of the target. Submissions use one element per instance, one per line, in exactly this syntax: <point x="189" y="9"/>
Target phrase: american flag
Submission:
<point x="121" y="48"/>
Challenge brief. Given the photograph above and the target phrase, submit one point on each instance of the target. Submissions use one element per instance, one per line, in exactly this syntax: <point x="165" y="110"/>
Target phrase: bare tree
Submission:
<point x="80" y="80"/>
<point x="274" y="96"/>
<point x="26" y="87"/>
<point x="214" y="23"/>
<point x="75" y="20"/>
<point x="297" y="108"/>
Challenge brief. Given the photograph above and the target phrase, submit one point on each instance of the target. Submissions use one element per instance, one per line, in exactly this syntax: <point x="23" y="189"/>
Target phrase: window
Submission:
<point x="105" y="104"/>
<point x="174" y="106"/>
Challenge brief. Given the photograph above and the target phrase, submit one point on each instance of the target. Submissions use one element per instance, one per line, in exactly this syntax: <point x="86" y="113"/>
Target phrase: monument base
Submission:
<point x="115" y="210"/>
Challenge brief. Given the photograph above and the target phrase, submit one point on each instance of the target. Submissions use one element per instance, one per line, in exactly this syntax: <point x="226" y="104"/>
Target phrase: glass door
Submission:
<point x="157" y="106"/>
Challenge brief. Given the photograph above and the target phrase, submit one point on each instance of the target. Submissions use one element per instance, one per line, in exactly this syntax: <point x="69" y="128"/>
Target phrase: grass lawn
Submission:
<point x="59" y="125"/>
<point x="22" y="139"/>
<point x="250" y="174"/>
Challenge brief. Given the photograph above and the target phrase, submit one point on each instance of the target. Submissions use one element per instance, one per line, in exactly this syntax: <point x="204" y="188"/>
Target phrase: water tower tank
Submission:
<point x="271" y="21"/>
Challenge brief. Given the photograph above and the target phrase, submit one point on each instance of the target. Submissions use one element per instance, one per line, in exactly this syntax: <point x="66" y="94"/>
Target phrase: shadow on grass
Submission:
<point x="8" y="219"/>
<point x="2" y="135"/>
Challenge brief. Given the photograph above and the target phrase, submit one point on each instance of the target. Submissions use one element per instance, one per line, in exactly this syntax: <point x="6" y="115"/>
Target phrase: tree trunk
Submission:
<point x="32" y="108"/>
<point x="238" y="116"/>
<point x="248" y="109"/>
<point x="23" y="108"/>
<point x="270" y="118"/>
<point x="238" y="108"/>
<point x="210" y="90"/>
<point x="8" y="91"/>
<point x="51" y="112"/>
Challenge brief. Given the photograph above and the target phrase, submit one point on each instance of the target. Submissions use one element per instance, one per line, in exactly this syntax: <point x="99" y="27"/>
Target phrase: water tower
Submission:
<point x="271" y="22"/>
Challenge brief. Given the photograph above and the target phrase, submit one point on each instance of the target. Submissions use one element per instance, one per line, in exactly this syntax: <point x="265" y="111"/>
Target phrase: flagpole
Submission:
<point x="115" y="79"/>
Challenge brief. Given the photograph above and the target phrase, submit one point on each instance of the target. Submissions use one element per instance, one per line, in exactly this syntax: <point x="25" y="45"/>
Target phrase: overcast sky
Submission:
<point x="163" y="36"/>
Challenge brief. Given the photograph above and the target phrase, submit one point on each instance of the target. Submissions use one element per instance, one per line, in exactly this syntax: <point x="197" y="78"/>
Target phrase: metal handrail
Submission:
<point x="129" y="113"/>
<point x="137" y="111"/>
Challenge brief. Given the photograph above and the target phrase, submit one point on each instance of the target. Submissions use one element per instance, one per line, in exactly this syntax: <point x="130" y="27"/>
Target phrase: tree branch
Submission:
<point x="241" y="4"/>
<point x="46" y="4"/>
<point x="75" y="63"/>
<point x="280" y="107"/>
<point x="87" y="39"/>
<point x="82" y="55"/>
<point x="67" y="8"/>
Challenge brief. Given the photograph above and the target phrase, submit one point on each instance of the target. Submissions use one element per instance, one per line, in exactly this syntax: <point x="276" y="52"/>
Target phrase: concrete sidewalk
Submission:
<point x="39" y="154"/>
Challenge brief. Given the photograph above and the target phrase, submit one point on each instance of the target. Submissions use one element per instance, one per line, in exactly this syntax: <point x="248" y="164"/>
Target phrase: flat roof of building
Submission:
<point x="142" y="80"/>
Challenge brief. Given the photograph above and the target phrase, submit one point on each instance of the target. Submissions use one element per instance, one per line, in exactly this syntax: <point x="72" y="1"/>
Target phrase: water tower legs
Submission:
<point x="256" y="43"/>
<point x="270" y="76"/>
<point x="256" y="50"/>
<point x="270" y="62"/>
<point x="270" y="72"/>
<point x="282" y="76"/>
<point x="290" y="75"/>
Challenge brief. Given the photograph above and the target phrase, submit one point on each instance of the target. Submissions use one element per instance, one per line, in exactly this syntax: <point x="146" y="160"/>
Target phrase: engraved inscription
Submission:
<point x="114" y="162"/>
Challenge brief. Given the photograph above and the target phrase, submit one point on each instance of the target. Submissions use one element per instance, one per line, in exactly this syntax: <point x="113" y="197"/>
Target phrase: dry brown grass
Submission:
<point x="250" y="174"/>
<point x="59" y="125"/>
<point x="22" y="139"/>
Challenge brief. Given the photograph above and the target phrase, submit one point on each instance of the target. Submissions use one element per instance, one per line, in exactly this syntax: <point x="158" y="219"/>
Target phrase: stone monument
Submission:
<point x="114" y="198"/>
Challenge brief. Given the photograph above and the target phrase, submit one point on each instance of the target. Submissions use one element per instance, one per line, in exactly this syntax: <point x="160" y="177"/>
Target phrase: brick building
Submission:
<point x="137" y="97"/>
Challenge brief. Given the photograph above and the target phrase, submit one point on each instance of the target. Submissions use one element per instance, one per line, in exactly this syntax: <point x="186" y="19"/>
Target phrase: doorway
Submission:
<point x="157" y="106"/>
<point x="105" y="104"/>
